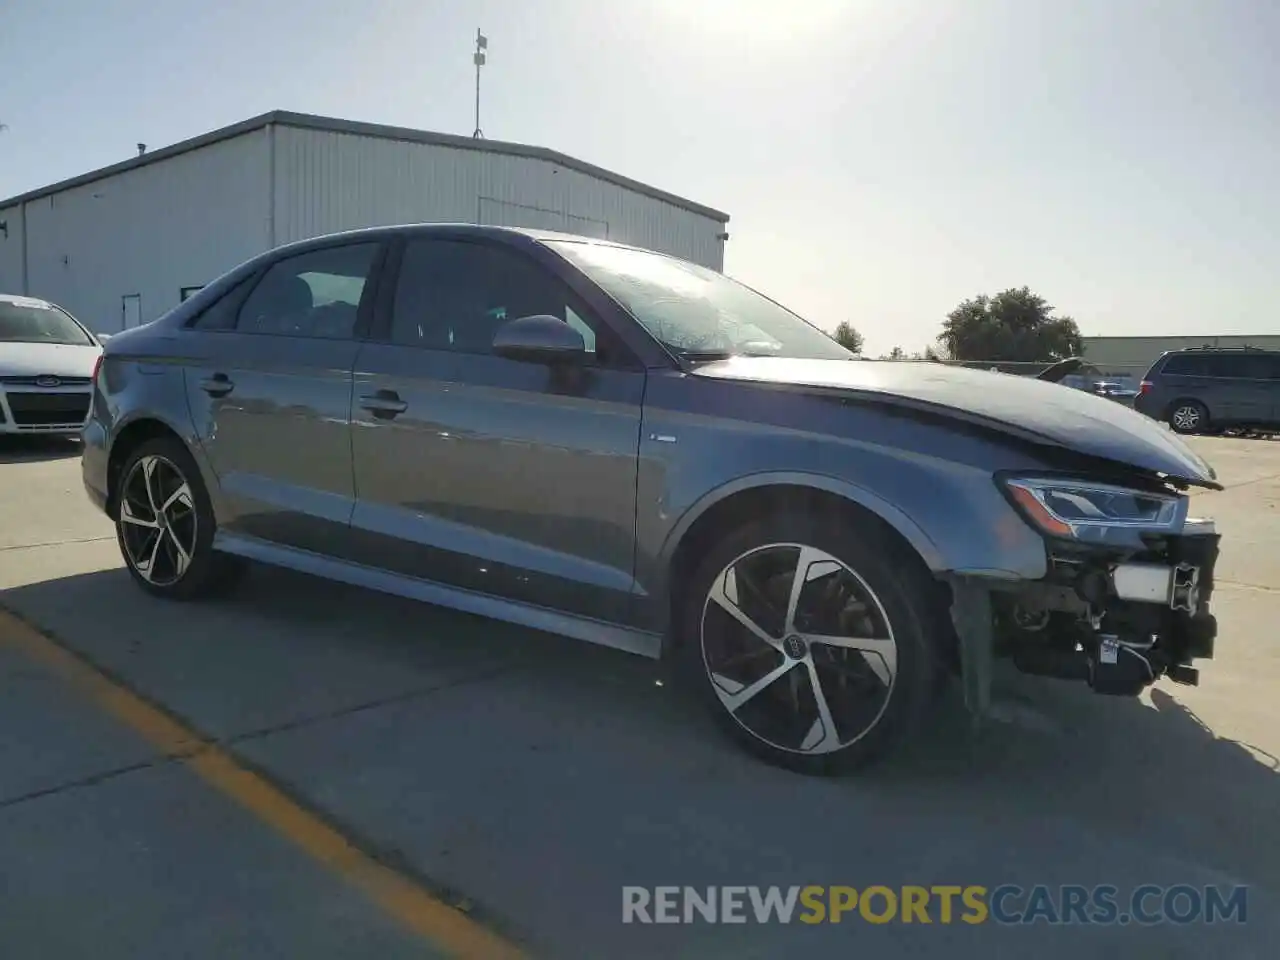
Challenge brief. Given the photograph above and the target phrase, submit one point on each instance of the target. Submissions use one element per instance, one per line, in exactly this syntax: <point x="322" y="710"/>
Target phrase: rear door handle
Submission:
<point x="218" y="385"/>
<point x="384" y="404"/>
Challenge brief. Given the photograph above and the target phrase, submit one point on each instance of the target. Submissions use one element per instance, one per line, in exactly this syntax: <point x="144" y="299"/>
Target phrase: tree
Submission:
<point x="1015" y="324"/>
<point x="848" y="337"/>
<point x="897" y="353"/>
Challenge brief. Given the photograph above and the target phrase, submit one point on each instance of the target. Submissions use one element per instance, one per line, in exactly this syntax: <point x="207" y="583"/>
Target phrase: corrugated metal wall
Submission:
<point x="146" y="232"/>
<point x="1134" y="355"/>
<point x="11" y="250"/>
<point x="181" y="221"/>
<point x="327" y="181"/>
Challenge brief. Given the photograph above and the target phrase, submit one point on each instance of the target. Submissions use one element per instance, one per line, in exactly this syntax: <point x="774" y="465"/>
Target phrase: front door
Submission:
<point x="269" y="386"/>
<point x="507" y="478"/>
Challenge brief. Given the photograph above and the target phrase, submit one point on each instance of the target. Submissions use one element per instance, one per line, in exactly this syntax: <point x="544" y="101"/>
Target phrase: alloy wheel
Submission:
<point x="798" y="648"/>
<point x="1186" y="418"/>
<point x="157" y="521"/>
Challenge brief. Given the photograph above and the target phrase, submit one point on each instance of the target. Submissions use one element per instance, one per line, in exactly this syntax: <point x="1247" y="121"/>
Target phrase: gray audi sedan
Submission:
<point x="628" y="449"/>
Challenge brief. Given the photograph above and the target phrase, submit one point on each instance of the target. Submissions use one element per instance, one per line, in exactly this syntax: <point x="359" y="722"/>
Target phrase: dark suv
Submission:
<point x="1206" y="388"/>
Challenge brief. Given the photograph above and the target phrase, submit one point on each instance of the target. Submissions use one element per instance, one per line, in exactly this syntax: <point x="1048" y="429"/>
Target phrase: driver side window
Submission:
<point x="453" y="295"/>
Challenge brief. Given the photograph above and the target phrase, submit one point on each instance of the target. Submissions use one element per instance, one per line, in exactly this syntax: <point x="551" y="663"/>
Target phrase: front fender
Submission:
<point x="930" y="480"/>
<point x="886" y="511"/>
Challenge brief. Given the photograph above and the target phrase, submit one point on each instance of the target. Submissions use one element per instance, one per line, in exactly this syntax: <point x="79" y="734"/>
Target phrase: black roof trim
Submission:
<point x="308" y="121"/>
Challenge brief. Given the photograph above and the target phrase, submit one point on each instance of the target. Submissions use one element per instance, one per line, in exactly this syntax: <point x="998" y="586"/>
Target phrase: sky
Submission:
<point x="881" y="160"/>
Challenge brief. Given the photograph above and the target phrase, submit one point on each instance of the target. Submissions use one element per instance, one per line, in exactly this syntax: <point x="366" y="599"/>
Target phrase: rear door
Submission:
<point x="1271" y="367"/>
<point x="269" y="385"/>
<point x="508" y="478"/>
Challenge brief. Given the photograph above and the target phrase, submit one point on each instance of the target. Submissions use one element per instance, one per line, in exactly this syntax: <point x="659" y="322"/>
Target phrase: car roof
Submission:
<point x="25" y="301"/>
<point x="442" y="231"/>
<point x="1223" y="351"/>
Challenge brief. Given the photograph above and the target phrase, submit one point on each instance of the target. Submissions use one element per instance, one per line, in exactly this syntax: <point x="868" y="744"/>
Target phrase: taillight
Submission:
<point x="1144" y="387"/>
<point x="97" y="365"/>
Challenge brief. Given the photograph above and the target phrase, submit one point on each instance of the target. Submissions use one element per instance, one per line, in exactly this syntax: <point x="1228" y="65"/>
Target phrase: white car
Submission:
<point x="47" y="361"/>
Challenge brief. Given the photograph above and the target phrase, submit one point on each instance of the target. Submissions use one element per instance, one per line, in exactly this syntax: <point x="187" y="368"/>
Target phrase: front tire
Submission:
<point x="165" y="525"/>
<point x="814" y="643"/>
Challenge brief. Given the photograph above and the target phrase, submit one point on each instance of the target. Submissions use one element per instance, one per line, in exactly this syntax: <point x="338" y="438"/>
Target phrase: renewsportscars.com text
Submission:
<point x="1005" y="904"/>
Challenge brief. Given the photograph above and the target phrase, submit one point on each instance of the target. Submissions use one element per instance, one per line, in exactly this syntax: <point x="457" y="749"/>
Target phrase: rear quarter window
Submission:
<point x="1183" y="365"/>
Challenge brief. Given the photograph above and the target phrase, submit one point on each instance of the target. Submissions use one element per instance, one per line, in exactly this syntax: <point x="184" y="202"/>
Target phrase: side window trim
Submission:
<point x="384" y="315"/>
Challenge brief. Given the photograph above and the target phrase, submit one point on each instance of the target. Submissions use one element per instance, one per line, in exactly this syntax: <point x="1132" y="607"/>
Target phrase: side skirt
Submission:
<point x="639" y="642"/>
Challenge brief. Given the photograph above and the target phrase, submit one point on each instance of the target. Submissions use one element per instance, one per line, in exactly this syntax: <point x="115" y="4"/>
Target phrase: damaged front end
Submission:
<point x="1125" y="600"/>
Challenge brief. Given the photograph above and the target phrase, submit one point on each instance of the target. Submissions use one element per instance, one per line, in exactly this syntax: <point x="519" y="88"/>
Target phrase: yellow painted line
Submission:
<point x="445" y="926"/>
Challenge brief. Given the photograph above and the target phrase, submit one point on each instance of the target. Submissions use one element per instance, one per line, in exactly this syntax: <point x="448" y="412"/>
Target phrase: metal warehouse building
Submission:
<point x="1133" y="356"/>
<point x="122" y="245"/>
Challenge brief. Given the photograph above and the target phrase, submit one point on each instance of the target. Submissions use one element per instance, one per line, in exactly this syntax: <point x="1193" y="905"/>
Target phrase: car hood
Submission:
<point x="23" y="359"/>
<point x="1034" y="410"/>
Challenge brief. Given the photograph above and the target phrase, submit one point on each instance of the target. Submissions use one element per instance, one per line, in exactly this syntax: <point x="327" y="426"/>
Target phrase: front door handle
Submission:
<point x="218" y="385"/>
<point x="384" y="404"/>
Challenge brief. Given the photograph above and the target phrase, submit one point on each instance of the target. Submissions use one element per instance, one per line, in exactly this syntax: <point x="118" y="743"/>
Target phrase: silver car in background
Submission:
<point x="47" y="360"/>
<point x="629" y="449"/>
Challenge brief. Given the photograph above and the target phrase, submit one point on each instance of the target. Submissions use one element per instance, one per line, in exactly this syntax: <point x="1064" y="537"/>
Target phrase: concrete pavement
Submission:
<point x="532" y="778"/>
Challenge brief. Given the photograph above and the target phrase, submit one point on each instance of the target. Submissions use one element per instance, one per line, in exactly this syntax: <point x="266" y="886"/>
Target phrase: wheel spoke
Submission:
<point x="128" y="516"/>
<point x="724" y="593"/>
<point x="148" y="483"/>
<point x="881" y="653"/>
<point x="823" y="734"/>
<point x="182" y="559"/>
<point x="182" y="495"/>
<point x="148" y="568"/>
<point x="810" y="564"/>
<point x="735" y="700"/>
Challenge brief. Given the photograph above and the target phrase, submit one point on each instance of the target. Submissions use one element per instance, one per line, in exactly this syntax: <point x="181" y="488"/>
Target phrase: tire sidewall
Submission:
<point x="203" y="558"/>
<point x="904" y="591"/>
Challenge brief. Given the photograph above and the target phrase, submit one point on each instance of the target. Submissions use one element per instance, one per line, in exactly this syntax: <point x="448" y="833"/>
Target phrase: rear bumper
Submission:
<point x="94" y="458"/>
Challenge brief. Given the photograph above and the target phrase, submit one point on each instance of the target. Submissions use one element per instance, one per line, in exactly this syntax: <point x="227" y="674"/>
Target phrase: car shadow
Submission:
<point x="1144" y="770"/>
<point x="1144" y="773"/>
<point x="31" y="449"/>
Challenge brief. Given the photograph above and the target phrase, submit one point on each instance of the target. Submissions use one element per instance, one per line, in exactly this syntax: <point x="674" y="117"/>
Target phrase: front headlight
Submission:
<point x="1083" y="510"/>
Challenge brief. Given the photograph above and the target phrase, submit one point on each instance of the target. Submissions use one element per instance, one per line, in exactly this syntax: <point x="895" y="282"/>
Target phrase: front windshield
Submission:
<point x="696" y="312"/>
<point x="32" y="321"/>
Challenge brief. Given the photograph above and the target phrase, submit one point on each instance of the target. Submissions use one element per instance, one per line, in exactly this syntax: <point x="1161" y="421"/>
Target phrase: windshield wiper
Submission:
<point x="699" y="356"/>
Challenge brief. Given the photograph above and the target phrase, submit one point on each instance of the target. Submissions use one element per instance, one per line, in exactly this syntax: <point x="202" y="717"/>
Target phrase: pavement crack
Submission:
<point x="102" y="776"/>
<point x="53" y="543"/>
<point x="1248" y="483"/>
<point x="406" y="696"/>
<point x="1219" y="581"/>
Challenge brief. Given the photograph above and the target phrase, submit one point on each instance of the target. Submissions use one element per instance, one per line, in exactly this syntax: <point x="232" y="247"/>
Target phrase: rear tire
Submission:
<point x="1188" y="416"/>
<point x="165" y="525"/>
<point x="816" y="643"/>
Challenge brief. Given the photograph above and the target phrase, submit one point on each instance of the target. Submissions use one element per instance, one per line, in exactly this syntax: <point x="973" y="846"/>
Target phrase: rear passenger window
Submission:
<point x="1225" y="366"/>
<point x="314" y="294"/>
<point x="221" y="314"/>
<point x="1184" y="365"/>
<point x="1255" y="367"/>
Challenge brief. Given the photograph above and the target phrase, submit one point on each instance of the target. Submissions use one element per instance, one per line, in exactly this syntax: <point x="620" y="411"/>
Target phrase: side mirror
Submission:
<point x="540" y="339"/>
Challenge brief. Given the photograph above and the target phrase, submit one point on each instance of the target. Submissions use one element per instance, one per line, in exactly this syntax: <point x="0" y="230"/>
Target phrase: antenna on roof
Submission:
<point x="478" y="58"/>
